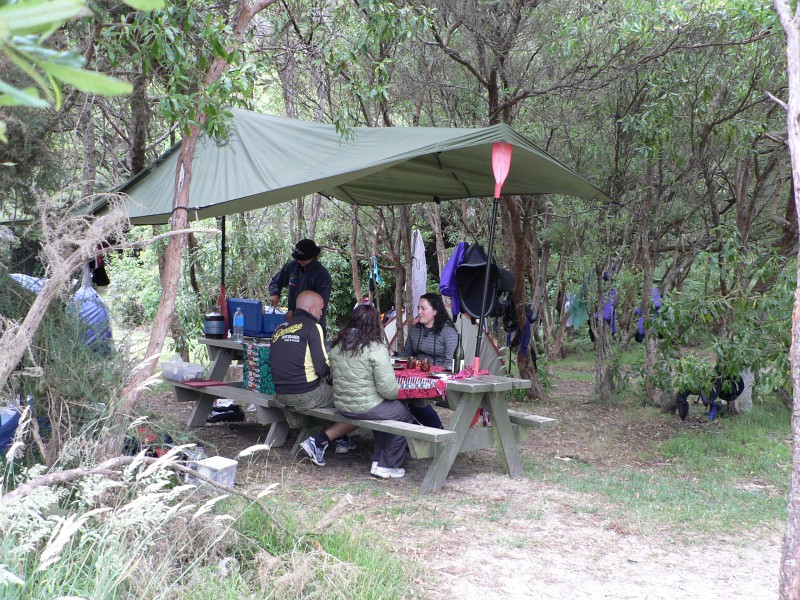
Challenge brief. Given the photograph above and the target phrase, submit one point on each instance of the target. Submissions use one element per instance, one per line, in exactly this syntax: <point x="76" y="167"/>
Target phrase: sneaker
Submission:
<point x="344" y="445"/>
<point x="388" y="472"/>
<point x="374" y="466"/>
<point x="314" y="452"/>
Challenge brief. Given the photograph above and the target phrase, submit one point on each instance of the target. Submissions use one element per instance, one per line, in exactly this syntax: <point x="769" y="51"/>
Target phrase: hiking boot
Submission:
<point x="314" y="452"/>
<point x="344" y="445"/>
<point x="388" y="472"/>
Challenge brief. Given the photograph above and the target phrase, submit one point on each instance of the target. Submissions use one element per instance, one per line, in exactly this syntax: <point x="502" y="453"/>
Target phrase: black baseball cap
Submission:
<point x="305" y="249"/>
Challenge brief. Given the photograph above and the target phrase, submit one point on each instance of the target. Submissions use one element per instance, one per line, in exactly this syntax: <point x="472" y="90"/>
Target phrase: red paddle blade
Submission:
<point x="501" y="163"/>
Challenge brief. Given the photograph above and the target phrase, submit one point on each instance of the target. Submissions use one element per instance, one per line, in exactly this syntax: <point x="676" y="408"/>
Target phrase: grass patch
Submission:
<point x="582" y="376"/>
<point x="753" y="447"/>
<point x="344" y="562"/>
<point x="731" y="477"/>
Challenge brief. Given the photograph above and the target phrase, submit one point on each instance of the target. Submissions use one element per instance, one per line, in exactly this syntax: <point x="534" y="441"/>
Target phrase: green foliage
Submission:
<point x="24" y="27"/>
<point x="746" y="327"/>
<point x="174" y="47"/>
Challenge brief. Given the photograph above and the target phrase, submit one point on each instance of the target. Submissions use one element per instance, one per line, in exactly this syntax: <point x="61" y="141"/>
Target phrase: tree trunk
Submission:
<point x="434" y="215"/>
<point x="180" y="218"/>
<point x="354" y="253"/>
<point x="316" y="203"/>
<point x="789" y="588"/>
<point x="86" y="126"/>
<point x="464" y="217"/>
<point x="404" y="231"/>
<point x="140" y="117"/>
<point x="519" y="259"/>
<point x="602" y="366"/>
<point x="604" y="376"/>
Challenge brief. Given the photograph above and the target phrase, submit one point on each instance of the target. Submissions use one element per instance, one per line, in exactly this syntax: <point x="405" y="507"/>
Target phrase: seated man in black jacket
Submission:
<point x="301" y="371"/>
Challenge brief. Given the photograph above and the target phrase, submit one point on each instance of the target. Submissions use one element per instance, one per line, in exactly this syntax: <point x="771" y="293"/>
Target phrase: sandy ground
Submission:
<point x="487" y="536"/>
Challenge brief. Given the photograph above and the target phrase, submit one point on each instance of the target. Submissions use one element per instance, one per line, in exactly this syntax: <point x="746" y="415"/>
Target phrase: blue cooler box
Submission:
<point x="251" y="309"/>
<point x="270" y="321"/>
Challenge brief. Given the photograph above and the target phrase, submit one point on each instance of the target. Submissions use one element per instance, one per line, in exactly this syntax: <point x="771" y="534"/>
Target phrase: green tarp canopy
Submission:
<point x="268" y="160"/>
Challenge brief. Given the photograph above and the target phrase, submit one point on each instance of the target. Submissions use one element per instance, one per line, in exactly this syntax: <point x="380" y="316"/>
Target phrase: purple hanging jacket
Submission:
<point x="655" y="296"/>
<point x="610" y="310"/>
<point x="447" y="284"/>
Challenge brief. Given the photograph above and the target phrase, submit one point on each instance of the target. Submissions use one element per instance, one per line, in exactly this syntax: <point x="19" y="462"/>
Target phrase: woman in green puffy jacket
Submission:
<point x="364" y="387"/>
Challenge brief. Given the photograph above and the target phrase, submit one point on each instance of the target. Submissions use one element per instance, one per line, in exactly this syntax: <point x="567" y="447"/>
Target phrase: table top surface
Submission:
<point x="229" y="343"/>
<point x="481" y="383"/>
<point x="488" y="383"/>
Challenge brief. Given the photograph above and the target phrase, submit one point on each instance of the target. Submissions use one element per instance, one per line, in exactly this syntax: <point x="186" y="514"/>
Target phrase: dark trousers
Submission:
<point x="425" y="414"/>
<point x="390" y="449"/>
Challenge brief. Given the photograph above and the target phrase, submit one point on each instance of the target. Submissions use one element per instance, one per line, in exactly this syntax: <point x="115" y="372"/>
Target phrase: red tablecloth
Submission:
<point x="414" y="383"/>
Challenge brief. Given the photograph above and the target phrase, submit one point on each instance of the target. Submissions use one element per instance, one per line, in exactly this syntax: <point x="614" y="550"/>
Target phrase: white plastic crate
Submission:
<point x="177" y="370"/>
<point x="217" y="468"/>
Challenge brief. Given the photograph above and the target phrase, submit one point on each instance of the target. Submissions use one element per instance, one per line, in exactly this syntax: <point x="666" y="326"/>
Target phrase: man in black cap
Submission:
<point x="303" y="273"/>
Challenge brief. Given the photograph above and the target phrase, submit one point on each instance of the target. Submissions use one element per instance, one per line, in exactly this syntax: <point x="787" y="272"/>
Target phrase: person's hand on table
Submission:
<point x="275" y="300"/>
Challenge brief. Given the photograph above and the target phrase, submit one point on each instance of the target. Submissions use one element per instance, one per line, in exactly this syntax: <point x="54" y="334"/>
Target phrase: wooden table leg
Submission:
<point x="202" y="405"/>
<point x="221" y="359"/>
<point x="278" y="427"/>
<point x="445" y="454"/>
<point x="507" y="446"/>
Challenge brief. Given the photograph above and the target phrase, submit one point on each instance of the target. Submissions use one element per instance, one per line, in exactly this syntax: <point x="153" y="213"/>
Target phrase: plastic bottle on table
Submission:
<point x="238" y="325"/>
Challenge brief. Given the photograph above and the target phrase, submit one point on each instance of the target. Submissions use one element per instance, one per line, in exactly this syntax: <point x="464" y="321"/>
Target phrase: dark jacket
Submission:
<point x="296" y="279"/>
<point x="297" y="355"/>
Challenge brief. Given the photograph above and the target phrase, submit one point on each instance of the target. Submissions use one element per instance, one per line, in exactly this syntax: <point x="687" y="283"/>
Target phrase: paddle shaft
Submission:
<point x="477" y="363"/>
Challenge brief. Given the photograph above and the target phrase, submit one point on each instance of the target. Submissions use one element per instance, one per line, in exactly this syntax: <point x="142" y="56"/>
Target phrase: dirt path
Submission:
<point x="486" y="536"/>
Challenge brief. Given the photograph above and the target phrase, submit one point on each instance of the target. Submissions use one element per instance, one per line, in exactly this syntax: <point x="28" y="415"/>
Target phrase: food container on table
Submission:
<point x="179" y="370"/>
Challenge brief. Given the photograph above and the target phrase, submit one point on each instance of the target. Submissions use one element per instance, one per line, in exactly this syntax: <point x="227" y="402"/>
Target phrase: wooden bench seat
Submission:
<point x="464" y="397"/>
<point x="529" y="420"/>
<point x="280" y="420"/>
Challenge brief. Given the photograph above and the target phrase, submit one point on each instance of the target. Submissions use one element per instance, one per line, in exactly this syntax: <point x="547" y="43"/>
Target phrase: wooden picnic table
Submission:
<point x="463" y="396"/>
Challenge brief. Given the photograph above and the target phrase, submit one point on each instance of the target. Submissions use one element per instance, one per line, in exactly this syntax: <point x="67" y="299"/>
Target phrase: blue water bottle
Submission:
<point x="238" y="325"/>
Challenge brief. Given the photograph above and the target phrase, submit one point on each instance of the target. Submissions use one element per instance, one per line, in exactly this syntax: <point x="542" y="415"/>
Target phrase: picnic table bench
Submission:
<point x="464" y="397"/>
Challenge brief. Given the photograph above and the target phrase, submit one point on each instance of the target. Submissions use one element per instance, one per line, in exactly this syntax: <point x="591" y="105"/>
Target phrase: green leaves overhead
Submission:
<point x="87" y="81"/>
<point x="24" y="27"/>
<point x="39" y="16"/>
<point x="145" y="4"/>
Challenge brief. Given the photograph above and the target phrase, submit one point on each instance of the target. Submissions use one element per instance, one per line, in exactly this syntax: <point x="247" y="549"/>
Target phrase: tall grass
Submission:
<point x="142" y="534"/>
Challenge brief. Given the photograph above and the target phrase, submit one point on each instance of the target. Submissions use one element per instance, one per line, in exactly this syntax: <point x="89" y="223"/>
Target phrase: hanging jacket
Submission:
<point x="447" y="284"/>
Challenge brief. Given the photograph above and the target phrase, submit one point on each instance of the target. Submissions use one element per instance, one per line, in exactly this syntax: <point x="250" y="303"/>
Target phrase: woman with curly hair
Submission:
<point x="364" y="386"/>
<point x="434" y="337"/>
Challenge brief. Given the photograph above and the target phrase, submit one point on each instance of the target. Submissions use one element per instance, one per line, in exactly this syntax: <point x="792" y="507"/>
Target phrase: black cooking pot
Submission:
<point x="214" y="325"/>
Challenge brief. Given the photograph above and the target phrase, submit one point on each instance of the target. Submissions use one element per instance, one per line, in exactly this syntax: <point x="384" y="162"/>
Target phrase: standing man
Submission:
<point x="301" y="373"/>
<point x="303" y="273"/>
